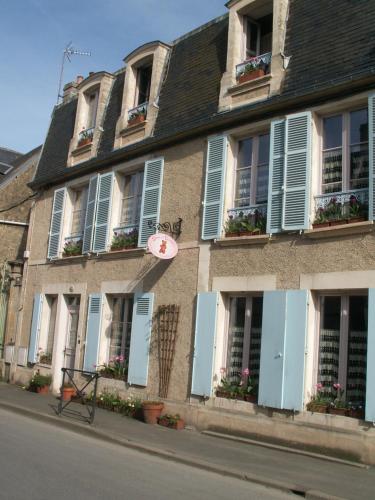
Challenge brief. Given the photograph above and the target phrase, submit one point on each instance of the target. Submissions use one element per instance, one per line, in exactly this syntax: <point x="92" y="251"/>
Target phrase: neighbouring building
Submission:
<point x="257" y="130"/>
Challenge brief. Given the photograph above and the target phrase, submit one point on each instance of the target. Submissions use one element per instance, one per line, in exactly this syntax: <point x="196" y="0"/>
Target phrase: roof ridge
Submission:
<point x="11" y="150"/>
<point x="199" y="28"/>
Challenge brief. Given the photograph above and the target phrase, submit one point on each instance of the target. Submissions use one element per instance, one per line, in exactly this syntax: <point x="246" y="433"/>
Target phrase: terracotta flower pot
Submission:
<point x="83" y="142"/>
<point x="251" y="76"/>
<point x="178" y="426"/>
<point x="320" y="225"/>
<point x="356" y="219"/>
<point x="67" y="393"/>
<point x="137" y="119"/>
<point x="151" y="411"/>
<point x="43" y="390"/>
<point x="339" y="222"/>
<point x="357" y="413"/>
<point x="232" y="235"/>
<point x="339" y="411"/>
<point x="317" y="408"/>
<point x="250" y="398"/>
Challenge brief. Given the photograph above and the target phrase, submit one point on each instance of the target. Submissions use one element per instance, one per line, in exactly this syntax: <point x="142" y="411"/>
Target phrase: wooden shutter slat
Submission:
<point x="57" y="218"/>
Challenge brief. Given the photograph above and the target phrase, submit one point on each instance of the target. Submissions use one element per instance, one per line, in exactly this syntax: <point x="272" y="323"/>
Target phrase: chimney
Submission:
<point x="70" y="89"/>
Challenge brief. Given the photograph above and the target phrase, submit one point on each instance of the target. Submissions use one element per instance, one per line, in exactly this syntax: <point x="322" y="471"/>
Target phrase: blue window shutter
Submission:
<point x="295" y="349"/>
<point x="296" y="202"/>
<point x="140" y="338"/>
<point x="205" y="333"/>
<point x="214" y="187"/>
<point x="90" y="214"/>
<point x="276" y="177"/>
<point x="103" y="210"/>
<point x="371" y="143"/>
<point x="35" y="329"/>
<point x="93" y="328"/>
<point x="271" y="371"/>
<point x="151" y="196"/>
<point x="370" y="374"/>
<point x="56" y="223"/>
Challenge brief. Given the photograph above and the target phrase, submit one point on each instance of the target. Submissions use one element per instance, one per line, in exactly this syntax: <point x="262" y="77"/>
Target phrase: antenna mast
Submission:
<point x="68" y="52"/>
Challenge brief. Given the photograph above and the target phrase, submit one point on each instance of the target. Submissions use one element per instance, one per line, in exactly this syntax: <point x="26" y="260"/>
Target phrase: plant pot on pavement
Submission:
<point x="151" y="411"/>
<point x="43" y="389"/>
<point x="68" y="393"/>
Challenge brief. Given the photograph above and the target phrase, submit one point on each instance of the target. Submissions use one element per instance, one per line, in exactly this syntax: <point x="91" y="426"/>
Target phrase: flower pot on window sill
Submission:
<point x="232" y="235"/>
<point x="319" y="225"/>
<point x="338" y="222"/>
<point x="137" y="119"/>
<point x="73" y="254"/>
<point x="356" y="219"/>
<point x="250" y="398"/>
<point x="317" y="408"/>
<point x="83" y="142"/>
<point x="356" y="413"/>
<point x="251" y="76"/>
<point x="127" y="247"/>
<point x="338" y="411"/>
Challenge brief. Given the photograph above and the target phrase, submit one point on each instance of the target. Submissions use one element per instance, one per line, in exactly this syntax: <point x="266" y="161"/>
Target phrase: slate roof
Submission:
<point x="329" y="42"/>
<point x="18" y="162"/>
<point x="7" y="157"/>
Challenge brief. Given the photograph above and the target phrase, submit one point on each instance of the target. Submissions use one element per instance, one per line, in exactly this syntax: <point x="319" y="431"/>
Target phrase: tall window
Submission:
<point x="144" y="84"/>
<point x="120" y="328"/>
<point x="252" y="171"/>
<point x="92" y="108"/>
<point x="244" y="337"/>
<point x="343" y="345"/>
<point x="48" y="333"/>
<point x="345" y="152"/>
<point x="131" y="200"/>
<point x="79" y="199"/>
<point x="258" y="36"/>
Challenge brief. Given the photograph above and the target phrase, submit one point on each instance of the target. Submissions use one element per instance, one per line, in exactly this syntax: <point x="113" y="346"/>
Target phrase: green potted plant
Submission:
<point x="72" y="248"/>
<point x="137" y="116"/>
<point x="320" y="401"/>
<point x="152" y="411"/>
<point x="85" y="137"/>
<point x="172" y="421"/>
<point x="231" y="227"/>
<point x="338" y="406"/>
<point x="124" y="240"/>
<point x="67" y="391"/>
<point x="116" y="368"/>
<point x="357" y="210"/>
<point x="40" y="383"/>
<point x="252" y="70"/>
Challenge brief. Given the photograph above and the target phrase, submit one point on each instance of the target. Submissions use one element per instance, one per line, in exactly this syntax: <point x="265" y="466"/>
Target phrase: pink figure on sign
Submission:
<point x="163" y="246"/>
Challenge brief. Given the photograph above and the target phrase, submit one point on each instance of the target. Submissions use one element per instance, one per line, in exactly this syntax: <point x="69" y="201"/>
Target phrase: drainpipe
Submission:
<point x="14" y="223"/>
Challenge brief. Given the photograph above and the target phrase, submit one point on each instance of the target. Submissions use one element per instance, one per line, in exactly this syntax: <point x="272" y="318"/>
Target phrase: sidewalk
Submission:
<point x="309" y="477"/>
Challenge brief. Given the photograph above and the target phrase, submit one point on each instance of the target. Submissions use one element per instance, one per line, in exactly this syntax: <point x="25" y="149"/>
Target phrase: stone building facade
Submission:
<point x="257" y="130"/>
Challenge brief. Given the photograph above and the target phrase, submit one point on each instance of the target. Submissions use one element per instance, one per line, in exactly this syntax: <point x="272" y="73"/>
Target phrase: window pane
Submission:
<point x="332" y="132"/>
<point x="262" y="184"/>
<point x="120" y="327"/>
<point x="359" y="166"/>
<point x="357" y="351"/>
<point x="236" y="338"/>
<point x="79" y="212"/>
<point x="132" y="197"/>
<point x="255" y="338"/>
<point x="264" y="149"/>
<point x="252" y="39"/>
<point x="332" y="171"/>
<point x="358" y="126"/>
<point x="245" y="153"/>
<point x="144" y="83"/>
<point x="243" y="188"/>
<point x="329" y="345"/>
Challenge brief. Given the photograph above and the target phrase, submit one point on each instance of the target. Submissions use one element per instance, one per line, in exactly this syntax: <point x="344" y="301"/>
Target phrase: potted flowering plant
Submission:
<point x="338" y="406"/>
<point x="172" y="421"/>
<point x="152" y="411"/>
<point x="123" y="240"/>
<point x="72" y="248"/>
<point x="116" y="368"/>
<point x="242" y="389"/>
<point x="85" y="137"/>
<point x="320" y="400"/>
<point x="253" y="69"/>
<point x="137" y="116"/>
<point x="357" y="210"/>
<point x="40" y="383"/>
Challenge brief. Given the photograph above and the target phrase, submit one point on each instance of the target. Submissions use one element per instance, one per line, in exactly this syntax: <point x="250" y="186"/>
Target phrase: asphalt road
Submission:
<point x="42" y="462"/>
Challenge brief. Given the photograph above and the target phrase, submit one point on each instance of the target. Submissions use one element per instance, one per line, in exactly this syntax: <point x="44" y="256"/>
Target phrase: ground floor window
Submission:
<point x="73" y="305"/>
<point x="343" y="347"/>
<point x="48" y="331"/>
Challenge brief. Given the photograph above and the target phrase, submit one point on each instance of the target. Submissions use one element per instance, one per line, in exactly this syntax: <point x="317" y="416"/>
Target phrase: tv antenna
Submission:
<point x="68" y="52"/>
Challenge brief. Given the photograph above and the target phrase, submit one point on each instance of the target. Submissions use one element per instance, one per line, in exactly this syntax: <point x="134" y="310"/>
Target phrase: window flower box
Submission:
<point x="252" y="224"/>
<point x="137" y="115"/>
<point x="123" y="240"/>
<point x="134" y="120"/>
<point x="85" y="137"/>
<point x="72" y="248"/>
<point x="241" y="389"/>
<point x="251" y="75"/>
<point x="340" y="209"/>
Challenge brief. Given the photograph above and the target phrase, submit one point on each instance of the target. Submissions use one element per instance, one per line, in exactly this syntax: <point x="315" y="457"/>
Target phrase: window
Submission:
<point x="252" y="171"/>
<point x="258" y="36"/>
<point x="79" y="200"/>
<point x="144" y="84"/>
<point x="244" y="337"/>
<point x="131" y="200"/>
<point x="47" y="333"/>
<point x="92" y="108"/>
<point x="120" y="327"/>
<point x="343" y="345"/>
<point x="345" y="152"/>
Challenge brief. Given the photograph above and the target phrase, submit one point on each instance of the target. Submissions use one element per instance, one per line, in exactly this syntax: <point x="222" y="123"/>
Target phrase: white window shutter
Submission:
<point x="151" y="198"/>
<point x="214" y="187"/>
<point x="35" y="328"/>
<point x="370" y="371"/>
<point x="57" y="219"/>
<point x="140" y="338"/>
<point x="276" y="177"/>
<point x="371" y="143"/>
<point x="93" y="329"/>
<point x="297" y="172"/>
<point x="90" y="214"/>
<point x="103" y="211"/>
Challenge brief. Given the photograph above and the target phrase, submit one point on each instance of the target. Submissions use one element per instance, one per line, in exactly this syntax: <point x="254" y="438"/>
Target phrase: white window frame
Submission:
<point x="245" y="23"/>
<point x="139" y="190"/>
<point x="73" y="193"/>
<point x="345" y="147"/>
<point x="127" y="298"/>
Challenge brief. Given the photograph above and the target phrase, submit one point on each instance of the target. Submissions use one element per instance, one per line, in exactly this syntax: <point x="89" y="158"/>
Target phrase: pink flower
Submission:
<point x="319" y="386"/>
<point x="337" y="386"/>
<point x="223" y="370"/>
<point x="117" y="358"/>
<point x="246" y="372"/>
<point x="121" y="359"/>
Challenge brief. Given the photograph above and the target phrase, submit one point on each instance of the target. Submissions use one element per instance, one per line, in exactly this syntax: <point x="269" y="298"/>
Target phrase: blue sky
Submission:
<point x="33" y="34"/>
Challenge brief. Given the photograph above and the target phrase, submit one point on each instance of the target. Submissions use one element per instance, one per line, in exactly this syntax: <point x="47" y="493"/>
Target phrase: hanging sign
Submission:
<point x="162" y="246"/>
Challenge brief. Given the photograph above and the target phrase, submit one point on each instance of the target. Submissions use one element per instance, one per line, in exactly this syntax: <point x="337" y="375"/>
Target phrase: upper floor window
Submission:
<point x="252" y="171"/>
<point x="79" y="211"/>
<point x="345" y="159"/>
<point x="92" y="108"/>
<point x="143" y="84"/>
<point x="131" y="200"/>
<point x="258" y="36"/>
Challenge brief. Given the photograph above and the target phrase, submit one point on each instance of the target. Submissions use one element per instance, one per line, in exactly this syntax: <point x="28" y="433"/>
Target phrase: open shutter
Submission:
<point x="204" y="344"/>
<point x="296" y="203"/>
<point x="140" y="338"/>
<point x="295" y="349"/>
<point x="35" y="329"/>
<point x="93" y="328"/>
<point x="370" y="372"/>
<point x="283" y="350"/>
<point x="90" y="214"/>
<point x="271" y="371"/>
<point x="276" y="177"/>
<point x="56" y="223"/>
<point x="103" y="210"/>
<point x="214" y="187"/>
<point x="151" y="195"/>
<point x="371" y="143"/>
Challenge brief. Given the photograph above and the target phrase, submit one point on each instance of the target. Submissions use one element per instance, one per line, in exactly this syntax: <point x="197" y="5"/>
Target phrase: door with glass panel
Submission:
<point x="73" y="303"/>
<point x="343" y="346"/>
<point x="244" y="338"/>
<point x="120" y="329"/>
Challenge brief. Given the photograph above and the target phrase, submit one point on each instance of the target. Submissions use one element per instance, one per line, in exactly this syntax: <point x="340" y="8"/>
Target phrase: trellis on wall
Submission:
<point x="167" y="323"/>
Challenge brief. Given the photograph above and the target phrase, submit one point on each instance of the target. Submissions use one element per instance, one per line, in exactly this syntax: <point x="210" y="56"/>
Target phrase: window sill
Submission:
<point x="341" y="230"/>
<point x="81" y="149"/>
<point x="120" y="253"/>
<point x="262" y="239"/>
<point x="249" y="85"/>
<point x="130" y="129"/>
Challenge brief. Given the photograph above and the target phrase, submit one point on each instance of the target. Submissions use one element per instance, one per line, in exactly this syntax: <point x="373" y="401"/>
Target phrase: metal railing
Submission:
<point x="262" y="61"/>
<point x="342" y="205"/>
<point x="252" y="210"/>
<point x="86" y="136"/>
<point x="140" y="110"/>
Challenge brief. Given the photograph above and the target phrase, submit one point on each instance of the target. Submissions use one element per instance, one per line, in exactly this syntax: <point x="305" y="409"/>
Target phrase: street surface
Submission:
<point x="42" y="462"/>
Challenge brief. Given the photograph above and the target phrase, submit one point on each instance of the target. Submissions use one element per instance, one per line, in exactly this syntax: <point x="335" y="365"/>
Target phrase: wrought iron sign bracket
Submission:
<point x="167" y="227"/>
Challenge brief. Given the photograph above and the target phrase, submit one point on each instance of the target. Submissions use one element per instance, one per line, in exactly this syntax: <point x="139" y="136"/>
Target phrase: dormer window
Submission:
<point x="92" y="108"/>
<point x="258" y="36"/>
<point x="144" y="84"/>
